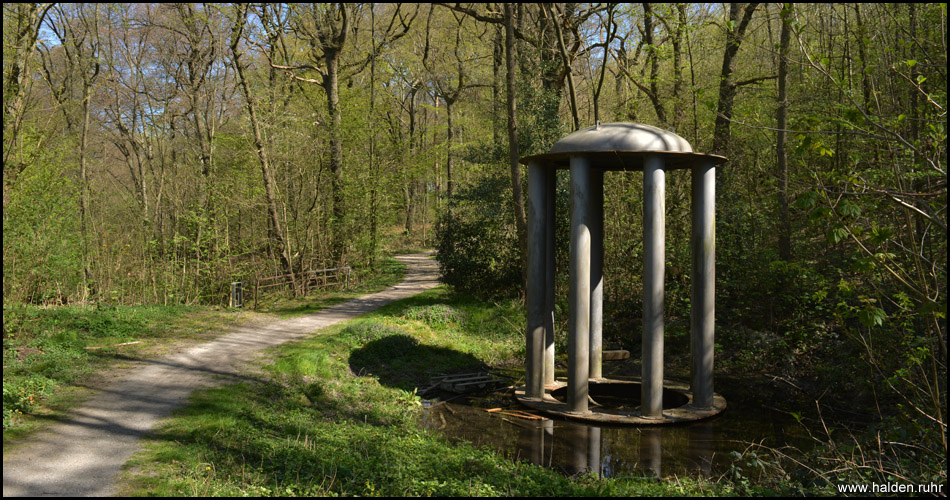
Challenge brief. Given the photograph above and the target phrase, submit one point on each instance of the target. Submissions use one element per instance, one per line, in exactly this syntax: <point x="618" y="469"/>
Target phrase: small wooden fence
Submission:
<point x="305" y="281"/>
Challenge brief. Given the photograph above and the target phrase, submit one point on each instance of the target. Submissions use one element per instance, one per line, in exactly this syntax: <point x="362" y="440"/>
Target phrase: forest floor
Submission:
<point x="81" y="454"/>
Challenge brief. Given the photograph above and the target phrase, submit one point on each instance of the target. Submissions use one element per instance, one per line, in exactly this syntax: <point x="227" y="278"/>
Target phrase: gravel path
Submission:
<point x="81" y="455"/>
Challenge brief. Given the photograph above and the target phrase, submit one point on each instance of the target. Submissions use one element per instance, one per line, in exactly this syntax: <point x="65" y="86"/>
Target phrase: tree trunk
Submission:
<point x="603" y="65"/>
<point x="497" y="61"/>
<point x="863" y="54"/>
<point x="84" y="191"/>
<point x="692" y="78"/>
<point x="513" y="148"/>
<point x="450" y="154"/>
<point x="551" y="81"/>
<point x="784" y="234"/>
<point x="331" y="85"/>
<point x="373" y="161"/>
<point x="678" y="67"/>
<point x="409" y="188"/>
<point x="565" y="60"/>
<point x="654" y="58"/>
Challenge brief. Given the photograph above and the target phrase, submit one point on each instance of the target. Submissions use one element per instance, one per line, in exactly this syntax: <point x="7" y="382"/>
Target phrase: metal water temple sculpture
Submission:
<point x="589" y="153"/>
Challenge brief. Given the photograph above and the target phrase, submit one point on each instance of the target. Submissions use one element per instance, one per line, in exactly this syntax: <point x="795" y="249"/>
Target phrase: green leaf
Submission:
<point x="806" y="200"/>
<point x="836" y="234"/>
<point x="852" y="115"/>
<point x="849" y="209"/>
<point x="880" y="235"/>
<point x="819" y="213"/>
<point x="872" y="315"/>
<point x="921" y="79"/>
<point x="805" y="143"/>
<point x="865" y="265"/>
<point x="910" y="63"/>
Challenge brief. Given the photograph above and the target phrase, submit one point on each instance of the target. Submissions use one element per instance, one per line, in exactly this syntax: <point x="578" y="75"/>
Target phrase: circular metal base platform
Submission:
<point x="618" y="402"/>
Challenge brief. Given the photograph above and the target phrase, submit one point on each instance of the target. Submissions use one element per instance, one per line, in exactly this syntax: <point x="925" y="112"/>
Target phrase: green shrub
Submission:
<point x="23" y="396"/>
<point x="477" y="241"/>
<point x="437" y="315"/>
<point x="366" y="332"/>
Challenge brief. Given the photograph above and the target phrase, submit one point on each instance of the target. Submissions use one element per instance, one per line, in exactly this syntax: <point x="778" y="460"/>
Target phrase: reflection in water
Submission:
<point x="577" y="448"/>
<point x="700" y="437"/>
<point x="695" y="449"/>
<point x="651" y="450"/>
<point x="539" y="439"/>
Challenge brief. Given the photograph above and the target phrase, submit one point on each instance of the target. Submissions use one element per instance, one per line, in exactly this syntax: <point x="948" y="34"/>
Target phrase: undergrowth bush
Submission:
<point x="366" y="332"/>
<point x="438" y="315"/>
<point x="477" y="241"/>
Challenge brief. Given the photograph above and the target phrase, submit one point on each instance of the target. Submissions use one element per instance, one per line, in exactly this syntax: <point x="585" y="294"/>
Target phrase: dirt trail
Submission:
<point x="81" y="455"/>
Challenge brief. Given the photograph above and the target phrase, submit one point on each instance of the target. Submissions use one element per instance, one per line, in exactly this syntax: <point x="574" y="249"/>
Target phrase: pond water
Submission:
<point x="703" y="448"/>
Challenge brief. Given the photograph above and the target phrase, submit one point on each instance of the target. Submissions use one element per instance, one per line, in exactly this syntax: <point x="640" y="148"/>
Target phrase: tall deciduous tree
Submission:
<point x="449" y="87"/>
<point x="513" y="149"/>
<point x="784" y="234"/>
<point x="77" y="31"/>
<point x="19" y="42"/>
<point x="555" y="24"/>
<point x="735" y="31"/>
<point x="270" y="190"/>
<point x="325" y="28"/>
<point x="611" y="28"/>
<point x="653" y="58"/>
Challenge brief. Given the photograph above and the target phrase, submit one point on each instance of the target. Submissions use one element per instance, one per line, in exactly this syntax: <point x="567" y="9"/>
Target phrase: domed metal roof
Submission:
<point x="623" y="146"/>
<point x="621" y="137"/>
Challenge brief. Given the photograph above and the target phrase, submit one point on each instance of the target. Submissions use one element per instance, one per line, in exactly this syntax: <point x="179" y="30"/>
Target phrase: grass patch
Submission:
<point x="336" y="414"/>
<point x="46" y="363"/>
<point x="436" y="315"/>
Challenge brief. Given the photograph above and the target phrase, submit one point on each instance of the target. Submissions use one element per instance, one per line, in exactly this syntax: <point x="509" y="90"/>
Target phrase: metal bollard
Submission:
<point x="237" y="295"/>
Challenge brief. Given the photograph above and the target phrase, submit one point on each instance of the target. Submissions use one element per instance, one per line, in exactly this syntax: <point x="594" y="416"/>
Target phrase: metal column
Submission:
<point x="596" y="272"/>
<point x="703" y="300"/>
<point x="550" y="216"/>
<point x="578" y="342"/>
<point x="534" y="369"/>
<point x="654" y="254"/>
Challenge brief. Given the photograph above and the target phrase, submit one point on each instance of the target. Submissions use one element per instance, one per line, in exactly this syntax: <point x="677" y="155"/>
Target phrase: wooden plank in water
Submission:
<point x="516" y="413"/>
<point x="480" y="381"/>
<point x="470" y="386"/>
<point x="465" y="377"/>
<point x="615" y="355"/>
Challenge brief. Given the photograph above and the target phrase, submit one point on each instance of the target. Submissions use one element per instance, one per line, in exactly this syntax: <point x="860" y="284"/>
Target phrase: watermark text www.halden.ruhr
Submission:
<point x="925" y="488"/>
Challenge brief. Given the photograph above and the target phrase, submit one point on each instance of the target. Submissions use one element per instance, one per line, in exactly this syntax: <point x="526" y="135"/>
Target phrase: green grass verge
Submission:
<point x="337" y="415"/>
<point x="52" y="355"/>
